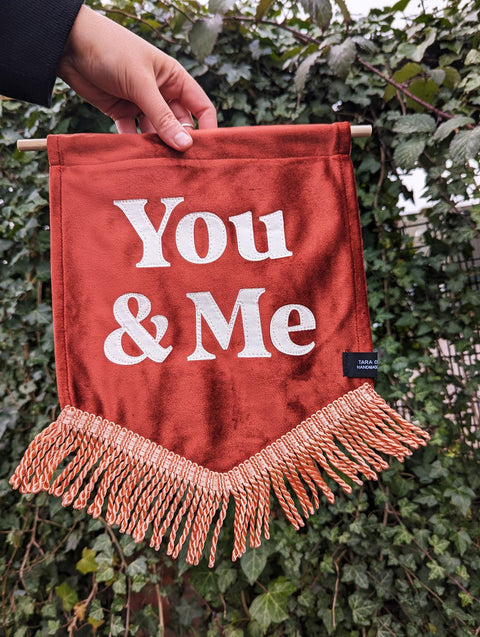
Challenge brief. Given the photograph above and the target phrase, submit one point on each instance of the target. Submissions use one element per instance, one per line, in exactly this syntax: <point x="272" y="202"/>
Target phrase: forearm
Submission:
<point x="33" y="34"/>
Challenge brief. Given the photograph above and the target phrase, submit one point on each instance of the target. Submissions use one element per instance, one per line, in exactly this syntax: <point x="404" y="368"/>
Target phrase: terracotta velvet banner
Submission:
<point x="212" y="333"/>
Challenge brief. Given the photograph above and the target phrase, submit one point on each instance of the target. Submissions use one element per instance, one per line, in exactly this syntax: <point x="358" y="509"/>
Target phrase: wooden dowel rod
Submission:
<point x="41" y="143"/>
<point x="364" y="130"/>
<point x="32" y="144"/>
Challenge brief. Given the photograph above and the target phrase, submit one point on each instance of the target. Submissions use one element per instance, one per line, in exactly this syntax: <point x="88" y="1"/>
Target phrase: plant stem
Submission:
<point x="402" y="89"/>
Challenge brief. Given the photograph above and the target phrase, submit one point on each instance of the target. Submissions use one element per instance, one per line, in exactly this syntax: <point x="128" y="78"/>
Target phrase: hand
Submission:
<point x="131" y="80"/>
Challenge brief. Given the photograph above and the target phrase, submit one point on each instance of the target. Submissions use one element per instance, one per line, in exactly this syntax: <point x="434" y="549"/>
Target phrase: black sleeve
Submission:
<point x="33" y="34"/>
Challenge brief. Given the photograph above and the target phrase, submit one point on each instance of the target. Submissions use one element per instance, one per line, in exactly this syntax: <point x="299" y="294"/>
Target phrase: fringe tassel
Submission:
<point x="145" y="486"/>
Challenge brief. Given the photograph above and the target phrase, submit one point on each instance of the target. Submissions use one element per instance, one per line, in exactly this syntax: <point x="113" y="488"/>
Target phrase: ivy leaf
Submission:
<point x="403" y="535"/>
<point x="473" y="57"/>
<point x="139" y="582"/>
<point x="440" y="545"/>
<point x="452" y="77"/>
<point x="220" y="6"/>
<point x="116" y="626"/>
<point x="420" y="50"/>
<point x="235" y="72"/>
<point x="282" y="586"/>
<point x="271" y="607"/>
<point x="365" y="43"/>
<point x="80" y="609"/>
<point x="105" y="573"/>
<point x="438" y="76"/>
<point x="52" y="626"/>
<point x="204" y="34"/>
<point x="401" y="5"/>
<point x="204" y="580"/>
<point x="471" y="82"/>
<point x="436" y="571"/>
<point x="262" y="9"/>
<point x="451" y="125"/>
<point x="418" y="123"/>
<point x="87" y="564"/>
<point x="103" y="544"/>
<point x="226" y="576"/>
<point x="120" y="584"/>
<point x="461" y="497"/>
<point x="67" y="594"/>
<point x="187" y="612"/>
<point x="137" y="567"/>
<point x="362" y="609"/>
<point x="73" y="541"/>
<point x="465" y="145"/>
<point x="253" y="562"/>
<point x="462" y="541"/>
<point x="341" y="57"/>
<point x="304" y="69"/>
<point x="96" y="614"/>
<point x="319" y="10"/>
<point x="128" y="544"/>
<point x="408" y="70"/>
<point x="407" y="153"/>
<point x="426" y="90"/>
<point x="347" y="18"/>
<point x="357" y="574"/>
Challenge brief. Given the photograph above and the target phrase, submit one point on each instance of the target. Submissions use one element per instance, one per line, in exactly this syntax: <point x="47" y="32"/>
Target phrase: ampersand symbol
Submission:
<point x="131" y="325"/>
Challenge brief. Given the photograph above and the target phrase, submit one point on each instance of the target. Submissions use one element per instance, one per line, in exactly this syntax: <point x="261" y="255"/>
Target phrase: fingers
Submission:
<point x="184" y="117"/>
<point x="196" y="101"/>
<point x="161" y="117"/>
<point x="168" y="119"/>
<point x="207" y="117"/>
<point x="126" y="125"/>
<point x="145" y="124"/>
<point x="181" y="114"/>
<point x="171" y="99"/>
<point x="129" y="124"/>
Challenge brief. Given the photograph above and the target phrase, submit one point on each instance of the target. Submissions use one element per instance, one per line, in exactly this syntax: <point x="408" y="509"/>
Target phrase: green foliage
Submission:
<point x="341" y="57"/>
<point x="397" y="557"/>
<point x="270" y="607"/>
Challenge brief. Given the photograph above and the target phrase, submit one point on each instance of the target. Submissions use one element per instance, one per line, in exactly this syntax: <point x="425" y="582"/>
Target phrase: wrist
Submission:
<point x="77" y="41"/>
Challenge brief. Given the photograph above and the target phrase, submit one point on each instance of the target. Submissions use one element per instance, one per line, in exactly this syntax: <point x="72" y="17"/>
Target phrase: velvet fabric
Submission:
<point x="212" y="335"/>
<point x="216" y="412"/>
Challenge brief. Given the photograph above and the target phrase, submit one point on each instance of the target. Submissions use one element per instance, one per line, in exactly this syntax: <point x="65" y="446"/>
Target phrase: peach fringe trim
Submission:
<point x="146" y="485"/>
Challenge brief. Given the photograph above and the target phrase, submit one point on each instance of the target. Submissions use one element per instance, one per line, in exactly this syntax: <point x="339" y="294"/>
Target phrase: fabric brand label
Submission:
<point x="360" y="364"/>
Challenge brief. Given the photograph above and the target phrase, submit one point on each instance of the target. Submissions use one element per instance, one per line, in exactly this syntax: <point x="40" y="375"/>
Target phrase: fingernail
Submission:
<point x="182" y="140"/>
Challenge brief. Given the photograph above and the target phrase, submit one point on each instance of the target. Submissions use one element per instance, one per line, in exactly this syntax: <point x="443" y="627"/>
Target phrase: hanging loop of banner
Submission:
<point x="364" y="130"/>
